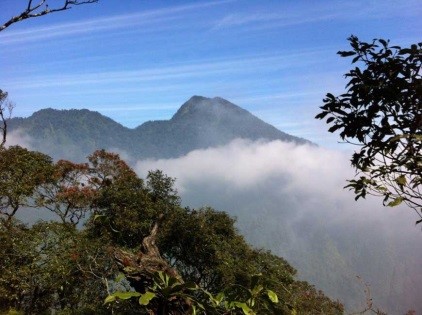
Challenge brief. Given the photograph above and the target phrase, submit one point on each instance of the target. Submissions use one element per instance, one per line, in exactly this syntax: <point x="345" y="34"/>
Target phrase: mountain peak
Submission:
<point x="207" y="108"/>
<point x="197" y="98"/>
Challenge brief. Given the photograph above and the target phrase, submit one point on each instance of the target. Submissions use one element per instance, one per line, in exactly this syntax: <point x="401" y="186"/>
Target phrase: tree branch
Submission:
<point x="139" y="268"/>
<point x="6" y="108"/>
<point x="42" y="8"/>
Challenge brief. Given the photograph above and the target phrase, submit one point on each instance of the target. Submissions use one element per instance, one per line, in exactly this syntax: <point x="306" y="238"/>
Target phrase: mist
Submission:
<point x="290" y="199"/>
<point x="18" y="137"/>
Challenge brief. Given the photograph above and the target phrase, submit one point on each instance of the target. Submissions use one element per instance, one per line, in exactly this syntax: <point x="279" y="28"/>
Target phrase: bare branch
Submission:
<point x="6" y="108"/>
<point x="42" y="8"/>
<point x="368" y="299"/>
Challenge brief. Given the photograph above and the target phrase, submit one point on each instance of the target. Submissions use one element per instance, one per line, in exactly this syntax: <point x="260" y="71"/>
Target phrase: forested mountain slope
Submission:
<point x="200" y="123"/>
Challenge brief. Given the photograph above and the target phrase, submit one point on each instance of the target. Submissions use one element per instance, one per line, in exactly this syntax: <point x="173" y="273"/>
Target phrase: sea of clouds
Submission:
<point x="290" y="199"/>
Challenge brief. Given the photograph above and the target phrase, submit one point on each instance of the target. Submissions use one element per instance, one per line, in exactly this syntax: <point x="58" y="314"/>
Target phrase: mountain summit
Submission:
<point x="200" y="122"/>
<point x="198" y="106"/>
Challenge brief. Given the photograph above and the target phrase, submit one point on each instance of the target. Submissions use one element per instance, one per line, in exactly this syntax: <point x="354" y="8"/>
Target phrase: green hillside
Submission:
<point x="200" y="123"/>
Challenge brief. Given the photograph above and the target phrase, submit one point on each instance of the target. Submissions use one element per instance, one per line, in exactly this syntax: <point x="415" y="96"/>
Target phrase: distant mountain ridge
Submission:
<point x="199" y="123"/>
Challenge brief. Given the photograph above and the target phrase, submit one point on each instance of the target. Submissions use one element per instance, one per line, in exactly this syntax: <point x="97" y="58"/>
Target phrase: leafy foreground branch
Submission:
<point x="381" y="113"/>
<point x="107" y="222"/>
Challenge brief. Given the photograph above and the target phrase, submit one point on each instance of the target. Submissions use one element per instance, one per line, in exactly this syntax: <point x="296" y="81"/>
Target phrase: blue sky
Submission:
<point x="137" y="60"/>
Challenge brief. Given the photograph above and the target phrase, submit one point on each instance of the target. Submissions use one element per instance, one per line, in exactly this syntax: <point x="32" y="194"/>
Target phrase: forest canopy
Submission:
<point x="118" y="236"/>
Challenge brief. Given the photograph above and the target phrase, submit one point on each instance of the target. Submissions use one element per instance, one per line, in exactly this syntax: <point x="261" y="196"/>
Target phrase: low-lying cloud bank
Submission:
<point x="18" y="138"/>
<point x="305" y="175"/>
<point x="290" y="199"/>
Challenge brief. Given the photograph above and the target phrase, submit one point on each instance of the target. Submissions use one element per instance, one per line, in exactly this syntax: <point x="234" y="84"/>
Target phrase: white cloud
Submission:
<point x="241" y="19"/>
<point x="277" y="168"/>
<point x="204" y="68"/>
<point x="159" y="17"/>
<point x="290" y="199"/>
<point x="302" y="13"/>
<point x="243" y="163"/>
<point x="17" y="137"/>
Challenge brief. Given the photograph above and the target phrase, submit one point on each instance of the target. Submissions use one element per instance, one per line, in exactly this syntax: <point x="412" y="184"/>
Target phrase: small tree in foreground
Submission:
<point x="381" y="113"/>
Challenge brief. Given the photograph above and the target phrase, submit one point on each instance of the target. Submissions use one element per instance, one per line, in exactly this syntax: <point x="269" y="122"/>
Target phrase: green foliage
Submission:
<point x="51" y="266"/>
<point x="204" y="247"/>
<point x="57" y="266"/>
<point x="67" y="194"/>
<point x="167" y="295"/>
<point x="161" y="189"/>
<point x="381" y="110"/>
<point x="305" y="299"/>
<point x="122" y="208"/>
<point x="21" y="173"/>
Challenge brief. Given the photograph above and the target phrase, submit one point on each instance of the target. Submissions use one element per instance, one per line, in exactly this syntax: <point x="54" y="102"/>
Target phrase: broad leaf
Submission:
<point x="146" y="298"/>
<point x="395" y="202"/>
<point x="401" y="180"/>
<point x="109" y="299"/>
<point x="126" y="295"/>
<point x="245" y="308"/>
<point x="272" y="296"/>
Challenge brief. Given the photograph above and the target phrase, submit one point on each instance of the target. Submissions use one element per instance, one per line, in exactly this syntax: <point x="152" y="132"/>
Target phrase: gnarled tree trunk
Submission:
<point x="139" y="269"/>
